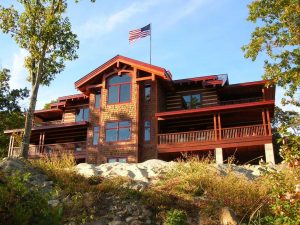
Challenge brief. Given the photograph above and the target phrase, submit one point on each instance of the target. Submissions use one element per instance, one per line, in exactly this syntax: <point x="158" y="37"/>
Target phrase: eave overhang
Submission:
<point x="159" y="71"/>
<point x="213" y="109"/>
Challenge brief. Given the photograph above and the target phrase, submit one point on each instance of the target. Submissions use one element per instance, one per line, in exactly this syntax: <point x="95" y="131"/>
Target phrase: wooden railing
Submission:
<point x="76" y="148"/>
<point x="238" y="101"/>
<point x="181" y="137"/>
<point x="245" y="131"/>
<point x="208" y="135"/>
<point x="53" y="122"/>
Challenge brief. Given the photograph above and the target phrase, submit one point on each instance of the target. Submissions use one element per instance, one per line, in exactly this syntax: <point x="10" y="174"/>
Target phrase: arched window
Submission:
<point x="119" y="89"/>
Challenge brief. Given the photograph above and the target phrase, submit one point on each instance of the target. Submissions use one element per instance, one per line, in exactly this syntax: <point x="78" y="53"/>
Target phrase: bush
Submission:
<point x="284" y="201"/>
<point x="21" y="205"/>
<point x="176" y="217"/>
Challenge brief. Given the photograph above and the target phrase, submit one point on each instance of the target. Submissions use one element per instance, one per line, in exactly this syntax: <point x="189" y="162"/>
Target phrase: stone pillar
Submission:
<point x="219" y="155"/>
<point x="269" y="153"/>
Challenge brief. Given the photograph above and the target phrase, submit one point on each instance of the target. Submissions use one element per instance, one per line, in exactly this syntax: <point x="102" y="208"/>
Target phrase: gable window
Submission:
<point x="95" y="135"/>
<point x="147" y="131"/>
<point x="97" y="100"/>
<point x="119" y="89"/>
<point x="121" y="160"/>
<point x="82" y="115"/>
<point x="192" y="101"/>
<point x="147" y="92"/>
<point x="118" y="131"/>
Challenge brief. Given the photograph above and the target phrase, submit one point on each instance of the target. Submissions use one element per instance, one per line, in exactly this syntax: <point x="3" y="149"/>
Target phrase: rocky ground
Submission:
<point x="149" y="171"/>
<point x="111" y="209"/>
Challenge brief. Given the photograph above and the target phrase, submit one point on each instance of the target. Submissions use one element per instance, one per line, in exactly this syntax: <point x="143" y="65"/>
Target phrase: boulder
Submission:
<point x="142" y="172"/>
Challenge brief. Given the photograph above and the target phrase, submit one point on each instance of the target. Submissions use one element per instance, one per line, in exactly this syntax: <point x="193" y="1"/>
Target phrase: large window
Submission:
<point x="97" y="99"/>
<point x="82" y="115"/>
<point x="95" y="135"/>
<point x="192" y="101"/>
<point x="147" y="132"/>
<point x="118" y="131"/>
<point x="119" y="89"/>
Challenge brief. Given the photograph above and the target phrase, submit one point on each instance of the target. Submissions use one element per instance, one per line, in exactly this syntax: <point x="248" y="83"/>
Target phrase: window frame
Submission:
<point x="119" y="85"/>
<point x="98" y="135"/>
<point x="145" y="128"/>
<point x="190" y="97"/>
<point x="98" y="93"/>
<point x="147" y="87"/>
<point x="83" y="114"/>
<point x="117" y="129"/>
<point x="117" y="159"/>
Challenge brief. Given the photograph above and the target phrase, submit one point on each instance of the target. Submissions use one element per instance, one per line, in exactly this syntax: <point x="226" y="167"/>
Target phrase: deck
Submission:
<point x="210" y="139"/>
<point x="78" y="149"/>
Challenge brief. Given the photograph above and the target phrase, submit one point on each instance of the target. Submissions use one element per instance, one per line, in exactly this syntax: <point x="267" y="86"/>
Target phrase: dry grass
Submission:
<point x="60" y="169"/>
<point x="197" y="181"/>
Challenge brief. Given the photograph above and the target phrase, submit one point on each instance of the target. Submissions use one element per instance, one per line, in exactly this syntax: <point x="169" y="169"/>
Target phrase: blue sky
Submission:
<point x="189" y="37"/>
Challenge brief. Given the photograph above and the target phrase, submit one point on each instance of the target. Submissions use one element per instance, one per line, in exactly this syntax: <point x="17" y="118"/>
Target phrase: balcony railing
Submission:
<point x="53" y="122"/>
<point x="246" y="131"/>
<point x="76" y="148"/>
<point x="181" y="137"/>
<point x="209" y="135"/>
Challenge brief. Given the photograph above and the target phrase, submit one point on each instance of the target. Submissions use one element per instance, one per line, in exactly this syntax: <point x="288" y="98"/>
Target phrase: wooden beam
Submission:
<point x="269" y="122"/>
<point x="215" y="127"/>
<point x="9" y="147"/>
<point x="264" y="121"/>
<point x="220" y="126"/>
<point x="153" y="76"/>
<point x="94" y="86"/>
<point x="143" y="79"/>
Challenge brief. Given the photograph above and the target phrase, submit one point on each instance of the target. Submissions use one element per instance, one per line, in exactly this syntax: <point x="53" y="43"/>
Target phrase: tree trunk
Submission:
<point x="28" y="121"/>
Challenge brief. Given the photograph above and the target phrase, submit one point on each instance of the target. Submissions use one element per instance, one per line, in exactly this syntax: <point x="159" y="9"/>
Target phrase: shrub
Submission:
<point x="284" y="201"/>
<point x="22" y="205"/>
<point x="176" y="217"/>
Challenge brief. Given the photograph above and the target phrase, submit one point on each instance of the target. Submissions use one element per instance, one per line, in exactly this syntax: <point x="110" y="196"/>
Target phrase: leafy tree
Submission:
<point x="45" y="33"/>
<point x="277" y="36"/>
<point x="11" y="115"/>
<point x="285" y="125"/>
<point x="47" y="105"/>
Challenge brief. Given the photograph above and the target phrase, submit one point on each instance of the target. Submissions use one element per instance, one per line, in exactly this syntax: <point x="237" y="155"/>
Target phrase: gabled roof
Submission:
<point x="118" y="58"/>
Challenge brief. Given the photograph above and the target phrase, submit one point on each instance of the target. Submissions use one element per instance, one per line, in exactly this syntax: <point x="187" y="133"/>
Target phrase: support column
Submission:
<point x="219" y="155"/>
<point x="269" y="153"/>
<point x="9" y="147"/>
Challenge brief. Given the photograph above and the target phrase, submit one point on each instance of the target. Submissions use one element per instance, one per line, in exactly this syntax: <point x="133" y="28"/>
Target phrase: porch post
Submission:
<point x="269" y="153"/>
<point x="219" y="155"/>
<point x="215" y="128"/>
<point x="269" y="123"/>
<point x="9" y="147"/>
<point x="264" y="121"/>
<point x="220" y="126"/>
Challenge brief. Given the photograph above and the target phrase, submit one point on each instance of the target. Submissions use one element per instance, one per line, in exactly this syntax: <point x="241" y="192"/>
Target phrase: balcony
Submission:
<point x="209" y="139"/>
<point x="78" y="149"/>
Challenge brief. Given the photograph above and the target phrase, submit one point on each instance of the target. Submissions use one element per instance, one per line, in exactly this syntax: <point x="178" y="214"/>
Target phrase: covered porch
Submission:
<point x="215" y="132"/>
<point x="52" y="139"/>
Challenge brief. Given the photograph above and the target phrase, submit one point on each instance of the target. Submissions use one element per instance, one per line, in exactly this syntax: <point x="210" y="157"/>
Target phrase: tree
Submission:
<point x="45" y="33"/>
<point x="47" y="105"/>
<point x="11" y="115"/>
<point x="278" y="37"/>
<point x="286" y="134"/>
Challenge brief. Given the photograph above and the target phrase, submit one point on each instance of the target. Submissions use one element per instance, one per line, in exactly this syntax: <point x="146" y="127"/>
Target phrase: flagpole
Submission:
<point x="150" y="40"/>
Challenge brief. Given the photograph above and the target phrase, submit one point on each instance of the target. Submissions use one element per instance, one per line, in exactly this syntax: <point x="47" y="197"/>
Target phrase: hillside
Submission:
<point x="154" y="192"/>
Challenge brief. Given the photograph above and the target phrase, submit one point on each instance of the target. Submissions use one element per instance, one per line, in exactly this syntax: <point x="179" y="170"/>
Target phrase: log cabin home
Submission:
<point x="131" y="111"/>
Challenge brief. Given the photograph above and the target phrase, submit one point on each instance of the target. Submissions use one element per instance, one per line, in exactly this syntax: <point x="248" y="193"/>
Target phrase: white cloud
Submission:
<point x="18" y="71"/>
<point x="100" y="25"/>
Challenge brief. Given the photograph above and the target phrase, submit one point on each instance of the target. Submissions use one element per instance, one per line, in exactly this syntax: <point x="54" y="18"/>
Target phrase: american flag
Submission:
<point x="139" y="33"/>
